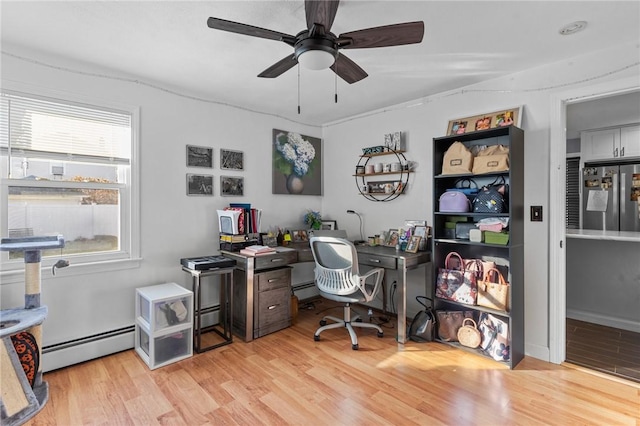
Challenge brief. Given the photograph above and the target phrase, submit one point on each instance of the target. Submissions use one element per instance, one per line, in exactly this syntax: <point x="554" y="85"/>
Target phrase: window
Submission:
<point x="67" y="170"/>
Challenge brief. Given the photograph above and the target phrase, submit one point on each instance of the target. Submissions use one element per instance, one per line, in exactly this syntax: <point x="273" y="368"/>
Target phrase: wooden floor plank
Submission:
<point x="288" y="378"/>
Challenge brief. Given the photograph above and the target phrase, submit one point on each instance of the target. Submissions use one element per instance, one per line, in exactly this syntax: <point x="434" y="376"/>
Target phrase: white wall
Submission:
<point x="175" y="226"/>
<point x="426" y="118"/>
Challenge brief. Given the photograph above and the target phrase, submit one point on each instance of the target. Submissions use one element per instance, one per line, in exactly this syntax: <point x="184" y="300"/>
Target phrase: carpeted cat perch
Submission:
<point x="24" y="393"/>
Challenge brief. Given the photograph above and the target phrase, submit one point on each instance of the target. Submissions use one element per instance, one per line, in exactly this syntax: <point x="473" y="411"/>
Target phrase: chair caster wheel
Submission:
<point x="323" y="323"/>
<point x="316" y="338"/>
<point x="354" y="347"/>
<point x="380" y="334"/>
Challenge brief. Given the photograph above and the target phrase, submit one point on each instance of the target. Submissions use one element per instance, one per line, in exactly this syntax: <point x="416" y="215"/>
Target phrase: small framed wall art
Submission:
<point x="199" y="156"/>
<point x="231" y="160"/>
<point x="231" y="186"/>
<point x="199" y="184"/>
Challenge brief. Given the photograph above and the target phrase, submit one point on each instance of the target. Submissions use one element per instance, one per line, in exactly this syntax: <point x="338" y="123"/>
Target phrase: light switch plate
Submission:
<point x="536" y="213"/>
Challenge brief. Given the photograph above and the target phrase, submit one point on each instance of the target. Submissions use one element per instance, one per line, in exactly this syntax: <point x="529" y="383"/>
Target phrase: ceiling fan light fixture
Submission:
<point x="316" y="59"/>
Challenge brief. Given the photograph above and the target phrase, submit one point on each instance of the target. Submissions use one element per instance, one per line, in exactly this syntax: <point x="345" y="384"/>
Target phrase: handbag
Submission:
<point x="457" y="160"/>
<point x="493" y="159"/>
<point x="468" y="335"/>
<point x="490" y="199"/>
<point x="491" y="294"/>
<point x="422" y="328"/>
<point x="449" y="322"/>
<point x="464" y="186"/>
<point x="494" y="337"/>
<point x="454" y="202"/>
<point x="458" y="284"/>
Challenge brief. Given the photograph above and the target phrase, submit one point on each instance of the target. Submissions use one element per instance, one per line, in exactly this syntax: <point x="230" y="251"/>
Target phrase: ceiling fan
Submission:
<point x="316" y="47"/>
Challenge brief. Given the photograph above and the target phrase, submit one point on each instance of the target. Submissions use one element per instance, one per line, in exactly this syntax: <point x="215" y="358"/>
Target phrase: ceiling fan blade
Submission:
<point x="321" y="12"/>
<point x="348" y="70"/>
<point x="280" y="67"/>
<point x="388" y="35"/>
<point x="250" y="30"/>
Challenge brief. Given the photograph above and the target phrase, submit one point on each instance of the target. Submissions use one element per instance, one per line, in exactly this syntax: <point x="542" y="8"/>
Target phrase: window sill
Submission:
<point x="17" y="275"/>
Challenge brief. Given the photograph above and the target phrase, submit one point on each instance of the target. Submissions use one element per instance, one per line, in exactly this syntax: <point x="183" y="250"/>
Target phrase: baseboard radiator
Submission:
<point x="87" y="348"/>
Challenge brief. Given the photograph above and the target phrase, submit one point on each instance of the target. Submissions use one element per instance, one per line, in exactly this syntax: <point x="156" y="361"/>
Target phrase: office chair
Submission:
<point x="338" y="278"/>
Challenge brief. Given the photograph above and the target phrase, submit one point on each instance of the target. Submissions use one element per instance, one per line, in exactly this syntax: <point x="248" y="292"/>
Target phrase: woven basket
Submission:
<point x="469" y="335"/>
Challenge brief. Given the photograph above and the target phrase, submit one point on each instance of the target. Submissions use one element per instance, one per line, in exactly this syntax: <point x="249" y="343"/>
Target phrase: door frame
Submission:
<point x="557" y="200"/>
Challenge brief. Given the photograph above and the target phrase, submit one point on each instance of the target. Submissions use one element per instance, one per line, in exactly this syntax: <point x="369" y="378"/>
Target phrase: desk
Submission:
<point x="390" y="259"/>
<point x="377" y="256"/>
<point x="226" y="307"/>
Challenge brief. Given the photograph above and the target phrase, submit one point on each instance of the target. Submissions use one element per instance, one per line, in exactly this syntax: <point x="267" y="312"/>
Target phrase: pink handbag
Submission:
<point x="459" y="284"/>
<point x="454" y="202"/>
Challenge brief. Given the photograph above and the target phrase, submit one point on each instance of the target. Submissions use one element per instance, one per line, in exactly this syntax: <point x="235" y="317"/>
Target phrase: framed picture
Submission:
<point x="296" y="164"/>
<point x="231" y="186"/>
<point x="300" y="236"/>
<point x="413" y="244"/>
<point x="199" y="156"/>
<point x="392" y="238"/>
<point x="491" y="120"/>
<point x="420" y="231"/>
<point x="329" y="225"/>
<point x="199" y="184"/>
<point x="231" y="160"/>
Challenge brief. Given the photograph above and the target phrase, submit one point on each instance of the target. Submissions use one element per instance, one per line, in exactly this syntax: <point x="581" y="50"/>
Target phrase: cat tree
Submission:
<point x="19" y="400"/>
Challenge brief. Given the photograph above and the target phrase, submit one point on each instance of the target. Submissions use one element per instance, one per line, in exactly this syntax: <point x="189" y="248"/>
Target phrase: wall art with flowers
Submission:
<point x="297" y="163"/>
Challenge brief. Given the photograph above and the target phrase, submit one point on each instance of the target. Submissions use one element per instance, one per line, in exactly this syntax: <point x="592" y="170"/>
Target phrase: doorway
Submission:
<point x="557" y="206"/>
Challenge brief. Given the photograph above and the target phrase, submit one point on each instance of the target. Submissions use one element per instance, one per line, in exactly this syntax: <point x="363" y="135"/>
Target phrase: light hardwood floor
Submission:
<point x="287" y="378"/>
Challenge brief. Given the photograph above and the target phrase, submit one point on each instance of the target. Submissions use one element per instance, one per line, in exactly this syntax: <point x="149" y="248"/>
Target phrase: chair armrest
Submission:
<point x="379" y="273"/>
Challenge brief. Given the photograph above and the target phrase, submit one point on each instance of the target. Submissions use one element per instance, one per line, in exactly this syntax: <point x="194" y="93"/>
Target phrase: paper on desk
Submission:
<point x="597" y="201"/>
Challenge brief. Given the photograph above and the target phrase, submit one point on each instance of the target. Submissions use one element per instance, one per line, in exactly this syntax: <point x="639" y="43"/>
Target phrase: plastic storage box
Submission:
<point x="501" y="238"/>
<point x="164" y="324"/>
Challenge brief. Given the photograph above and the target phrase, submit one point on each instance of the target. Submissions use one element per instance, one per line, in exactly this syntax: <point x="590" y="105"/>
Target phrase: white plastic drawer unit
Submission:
<point x="165" y="305"/>
<point x="164" y="324"/>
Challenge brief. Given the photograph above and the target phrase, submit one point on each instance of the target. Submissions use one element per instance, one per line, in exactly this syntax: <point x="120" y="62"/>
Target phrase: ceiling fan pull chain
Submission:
<point x="335" y="81"/>
<point x="298" y="89"/>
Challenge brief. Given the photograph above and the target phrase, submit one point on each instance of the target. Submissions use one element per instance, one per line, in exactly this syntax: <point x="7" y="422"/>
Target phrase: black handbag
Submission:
<point x="422" y="328"/>
<point x="491" y="198"/>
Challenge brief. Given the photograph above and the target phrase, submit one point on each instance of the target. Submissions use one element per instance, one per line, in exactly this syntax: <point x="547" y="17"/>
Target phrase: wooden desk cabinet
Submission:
<point x="261" y="293"/>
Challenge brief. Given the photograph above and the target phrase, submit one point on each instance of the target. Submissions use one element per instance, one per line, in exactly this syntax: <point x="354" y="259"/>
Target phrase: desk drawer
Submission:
<point x="376" y="260"/>
<point x="273" y="311"/>
<point x="276" y="260"/>
<point x="270" y="280"/>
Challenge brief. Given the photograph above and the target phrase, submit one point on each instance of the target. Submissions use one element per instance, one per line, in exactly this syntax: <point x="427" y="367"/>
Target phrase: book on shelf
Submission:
<point x="233" y="238"/>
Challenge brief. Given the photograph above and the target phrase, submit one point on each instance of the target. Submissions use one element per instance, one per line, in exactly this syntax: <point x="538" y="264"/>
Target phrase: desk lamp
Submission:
<point x="361" y="240"/>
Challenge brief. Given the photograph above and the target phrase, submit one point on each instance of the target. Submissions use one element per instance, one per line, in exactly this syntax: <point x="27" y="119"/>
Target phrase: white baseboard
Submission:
<point x="537" y="351"/>
<point x="609" y="321"/>
<point x="53" y="359"/>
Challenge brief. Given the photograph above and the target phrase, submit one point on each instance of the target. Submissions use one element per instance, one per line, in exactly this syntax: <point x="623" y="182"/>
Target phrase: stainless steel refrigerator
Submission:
<point x="610" y="196"/>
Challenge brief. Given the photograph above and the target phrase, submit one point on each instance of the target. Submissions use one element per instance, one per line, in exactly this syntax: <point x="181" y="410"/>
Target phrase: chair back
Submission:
<point x="336" y="270"/>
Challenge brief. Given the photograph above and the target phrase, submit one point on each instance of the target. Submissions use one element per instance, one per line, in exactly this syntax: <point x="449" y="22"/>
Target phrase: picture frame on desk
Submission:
<point x="393" y="238"/>
<point x="413" y="244"/>
<point x="329" y="225"/>
<point x="300" y="236"/>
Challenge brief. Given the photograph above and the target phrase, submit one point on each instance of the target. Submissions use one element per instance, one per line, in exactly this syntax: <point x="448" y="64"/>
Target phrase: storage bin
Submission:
<point x="463" y="228"/>
<point x="501" y="238"/>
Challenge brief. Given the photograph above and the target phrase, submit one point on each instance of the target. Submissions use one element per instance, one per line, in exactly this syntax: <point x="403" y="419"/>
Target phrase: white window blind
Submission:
<point x="70" y="131"/>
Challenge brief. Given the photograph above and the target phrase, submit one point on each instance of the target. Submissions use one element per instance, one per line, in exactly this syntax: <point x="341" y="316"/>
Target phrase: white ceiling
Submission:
<point x="168" y="43"/>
